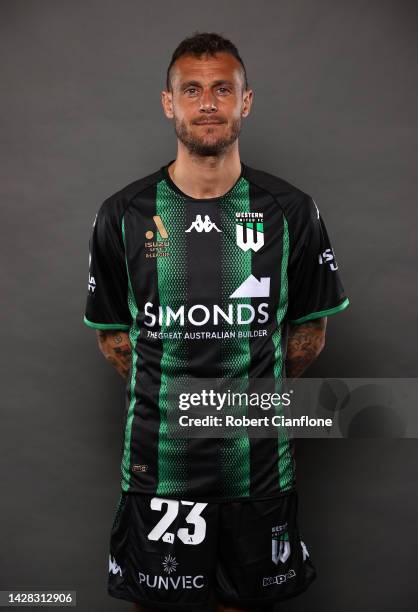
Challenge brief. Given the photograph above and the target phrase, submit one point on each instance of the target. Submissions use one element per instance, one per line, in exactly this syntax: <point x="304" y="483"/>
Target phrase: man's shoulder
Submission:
<point x="117" y="203"/>
<point x="127" y="193"/>
<point x="286" y="194"/>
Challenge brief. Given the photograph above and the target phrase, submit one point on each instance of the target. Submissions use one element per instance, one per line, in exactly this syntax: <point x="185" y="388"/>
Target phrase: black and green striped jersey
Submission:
<point x="206" y="289"/>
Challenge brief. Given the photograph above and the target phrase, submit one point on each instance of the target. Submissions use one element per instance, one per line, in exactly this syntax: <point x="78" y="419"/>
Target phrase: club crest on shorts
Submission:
<point x="280" y="545"/>
<point x="249" y="230"/>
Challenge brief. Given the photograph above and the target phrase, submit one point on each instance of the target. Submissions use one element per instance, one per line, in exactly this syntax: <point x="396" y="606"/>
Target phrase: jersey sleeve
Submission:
<point x="107" y="292"/>
<point x="315" y="286"/>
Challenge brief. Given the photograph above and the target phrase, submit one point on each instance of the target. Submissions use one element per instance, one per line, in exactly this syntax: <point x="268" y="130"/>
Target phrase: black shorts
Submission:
<point x="170" y="554"/>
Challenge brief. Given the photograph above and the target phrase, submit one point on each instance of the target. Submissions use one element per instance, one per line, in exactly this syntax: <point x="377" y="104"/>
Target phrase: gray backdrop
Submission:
<point x="335" y="113"/>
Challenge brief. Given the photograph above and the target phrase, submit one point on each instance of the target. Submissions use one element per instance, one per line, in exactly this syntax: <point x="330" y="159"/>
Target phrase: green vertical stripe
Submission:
<point x="133" y="337"/>
<point x="236" y="268"/>
<point x="285" y="462"/>
<point x="172" y="289"/>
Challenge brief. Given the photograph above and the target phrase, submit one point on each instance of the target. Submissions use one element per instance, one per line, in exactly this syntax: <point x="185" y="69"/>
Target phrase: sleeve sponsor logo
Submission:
<point x="92" y="282"/>
<point x="328" y="257"/>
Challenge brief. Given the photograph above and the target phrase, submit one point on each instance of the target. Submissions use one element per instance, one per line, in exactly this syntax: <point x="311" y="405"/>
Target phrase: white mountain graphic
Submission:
<point x="252" y="287"/>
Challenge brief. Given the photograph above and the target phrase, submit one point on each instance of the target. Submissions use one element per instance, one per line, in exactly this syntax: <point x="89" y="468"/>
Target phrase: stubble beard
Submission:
<point x="198" y="146"/>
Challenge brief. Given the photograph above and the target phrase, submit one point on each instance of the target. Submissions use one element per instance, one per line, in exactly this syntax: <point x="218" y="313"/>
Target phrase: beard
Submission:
<point x="200" y="146"/>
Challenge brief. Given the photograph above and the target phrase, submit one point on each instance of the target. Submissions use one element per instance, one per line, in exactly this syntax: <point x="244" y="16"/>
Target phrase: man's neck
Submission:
<point x="205" y="177"/>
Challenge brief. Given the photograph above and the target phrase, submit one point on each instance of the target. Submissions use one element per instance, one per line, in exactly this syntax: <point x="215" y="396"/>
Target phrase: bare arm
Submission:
<point x="116" y="347"/>
<point x="305" y="342"/>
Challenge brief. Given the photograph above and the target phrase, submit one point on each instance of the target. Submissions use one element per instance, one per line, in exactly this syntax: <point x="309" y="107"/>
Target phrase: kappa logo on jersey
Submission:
<point x="328" y="257"/>
<point x="253" y="288"/>
<point x="249" y="230"/>
<point x="203" y="226"/>
<point x="157" y="248"/>
<point x="170" y="564"/>
<point x="114" y="568"/>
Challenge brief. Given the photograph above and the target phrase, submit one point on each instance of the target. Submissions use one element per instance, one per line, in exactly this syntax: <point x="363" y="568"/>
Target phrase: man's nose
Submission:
<point x="207" y="101"/>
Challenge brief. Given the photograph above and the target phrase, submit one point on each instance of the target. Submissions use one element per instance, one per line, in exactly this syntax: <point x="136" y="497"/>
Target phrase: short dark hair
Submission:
<point x="204" y="43"/>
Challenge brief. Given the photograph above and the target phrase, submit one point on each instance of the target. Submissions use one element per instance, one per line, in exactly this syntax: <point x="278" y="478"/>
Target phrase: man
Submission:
<point x="207" y="269"/>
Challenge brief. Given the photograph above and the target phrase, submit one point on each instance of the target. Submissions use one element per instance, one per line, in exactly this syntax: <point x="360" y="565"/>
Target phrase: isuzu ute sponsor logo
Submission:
<point x="249" y="230"/>
<point x="149" y="235"/>
<point x="328" y="257"/>
<point x="157" y="246"/>
<point x="203" y="226"/>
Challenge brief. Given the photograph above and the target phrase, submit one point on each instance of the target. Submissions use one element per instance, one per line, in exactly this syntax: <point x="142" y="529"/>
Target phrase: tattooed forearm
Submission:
<point x="305" y="342"/>
<point x="116" y="348"/>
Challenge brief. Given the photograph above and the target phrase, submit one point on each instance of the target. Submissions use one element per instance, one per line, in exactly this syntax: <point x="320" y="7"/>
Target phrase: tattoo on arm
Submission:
<point x="116" y="347"/>
<point x="305" y="342"/>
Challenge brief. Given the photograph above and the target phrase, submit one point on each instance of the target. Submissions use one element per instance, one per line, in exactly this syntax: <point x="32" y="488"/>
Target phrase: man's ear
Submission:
<point x="247" y="102"/>
<point x="167" y="102"/>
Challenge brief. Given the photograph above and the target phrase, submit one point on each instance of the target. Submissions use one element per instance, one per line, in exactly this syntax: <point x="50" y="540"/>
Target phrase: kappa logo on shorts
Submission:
<point x="114" y="568"/>
<point x="279" y="579"/>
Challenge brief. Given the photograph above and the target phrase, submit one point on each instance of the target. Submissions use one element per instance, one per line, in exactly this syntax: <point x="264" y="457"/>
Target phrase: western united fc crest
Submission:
<point x="249" y="230"/>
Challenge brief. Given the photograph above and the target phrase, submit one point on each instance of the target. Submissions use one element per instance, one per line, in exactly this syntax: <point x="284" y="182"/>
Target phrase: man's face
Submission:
<point x="207" y="102"/>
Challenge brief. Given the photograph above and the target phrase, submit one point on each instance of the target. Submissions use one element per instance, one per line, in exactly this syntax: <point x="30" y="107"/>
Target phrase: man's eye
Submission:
<point x="191" y="90"/>
<point x="223" y="90"/>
